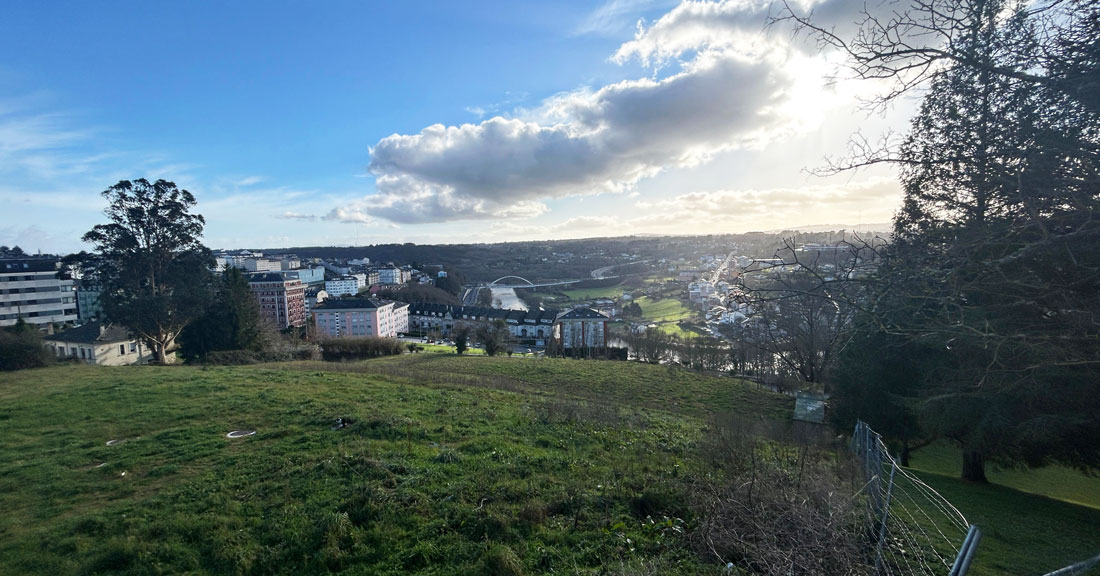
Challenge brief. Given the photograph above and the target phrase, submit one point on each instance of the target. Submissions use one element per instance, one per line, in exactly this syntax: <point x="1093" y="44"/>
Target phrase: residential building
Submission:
<point x="531" y="327"/>
<point x="580" y="328"/>
<point x="282" y="300"/>
<point x="262" y="265"/>
<point x="391" y="275"/>
<point x="343" y="286"/>
<point x="35" y="290"/>
<point x="351" y="317"/>
<point x="88" y="306"/>
<point x="314" y="296"/>
<point x="97" y="343"/>
<point x="308" y="276"/>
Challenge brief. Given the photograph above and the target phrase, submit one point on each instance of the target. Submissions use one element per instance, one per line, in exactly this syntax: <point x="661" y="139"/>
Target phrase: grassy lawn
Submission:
<point x="1024" y="514"/>
<point x="508" y="466"/>
<point x="1022" y="533"/>
<point x="1058" y="482"/>
<point x="451" y="465"/>
<point x="663" y="310"/>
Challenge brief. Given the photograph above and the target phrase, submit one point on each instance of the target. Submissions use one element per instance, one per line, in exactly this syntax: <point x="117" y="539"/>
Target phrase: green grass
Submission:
<point x="1058" y="482"/>
<point x="453" y="465"/>
<point x="1033" y="521"/>
<point x="613" y="292"/>
<point x="1022" y="533"/>
<point x="663" y="310"/>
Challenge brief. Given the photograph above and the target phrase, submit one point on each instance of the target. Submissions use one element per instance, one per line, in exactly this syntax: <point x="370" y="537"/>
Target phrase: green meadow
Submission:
<point x="448" y="465"/>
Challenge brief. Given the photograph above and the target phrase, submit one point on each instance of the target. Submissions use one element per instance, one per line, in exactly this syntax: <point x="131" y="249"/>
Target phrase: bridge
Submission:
<point x="527" y="283"/>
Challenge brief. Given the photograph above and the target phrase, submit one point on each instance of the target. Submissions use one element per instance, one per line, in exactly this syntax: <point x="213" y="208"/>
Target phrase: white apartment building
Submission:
<point x="343" y="286"/>
<point x="33" y="289"/>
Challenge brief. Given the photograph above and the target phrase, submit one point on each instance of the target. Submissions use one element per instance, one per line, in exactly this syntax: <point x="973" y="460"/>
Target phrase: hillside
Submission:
<point x="451" y="465"/>
<point x="518" y="474"/>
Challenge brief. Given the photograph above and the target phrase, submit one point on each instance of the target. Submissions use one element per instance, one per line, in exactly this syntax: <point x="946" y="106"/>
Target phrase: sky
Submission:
<point x="352" y="123"/>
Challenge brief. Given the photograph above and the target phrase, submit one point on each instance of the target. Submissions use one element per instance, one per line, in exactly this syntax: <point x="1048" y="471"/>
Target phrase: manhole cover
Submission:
<point x="240" y="433"/>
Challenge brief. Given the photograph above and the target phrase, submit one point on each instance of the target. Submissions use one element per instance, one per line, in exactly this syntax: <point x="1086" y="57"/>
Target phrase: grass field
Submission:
<point x="664" y="310"/>
<point x="508" y="467"/>
<point x="613" y="292"/>
<point x="451" y="465"/>
<point x="1044" y="519"/>
<point x="1058" y="482"/>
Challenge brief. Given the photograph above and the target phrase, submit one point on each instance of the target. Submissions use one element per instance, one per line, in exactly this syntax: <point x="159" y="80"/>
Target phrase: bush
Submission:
<point x="21" y="347"/>
<point x="342" y="349"/>
<point x="242" y="357"/>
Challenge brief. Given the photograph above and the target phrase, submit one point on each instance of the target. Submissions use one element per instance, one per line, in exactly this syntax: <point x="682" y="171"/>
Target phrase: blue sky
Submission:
<point x="339" y="123"/>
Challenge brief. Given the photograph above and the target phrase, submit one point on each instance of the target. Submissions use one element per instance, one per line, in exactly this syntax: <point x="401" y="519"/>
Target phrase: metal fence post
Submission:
<point x="966" y="552"/>
<point x="885" y="518"/>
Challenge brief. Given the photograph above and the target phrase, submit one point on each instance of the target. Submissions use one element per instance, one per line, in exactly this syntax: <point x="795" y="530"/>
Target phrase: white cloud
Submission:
<point x="348" y="215"/>
<point x="289" y="215"/>
<point x="692" y="26"/>
<point x="615" y="16"/>
<point x="580" y="142"/>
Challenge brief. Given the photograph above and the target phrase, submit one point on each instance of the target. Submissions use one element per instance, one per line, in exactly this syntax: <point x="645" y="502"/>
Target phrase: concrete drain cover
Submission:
<point x="240" y="433"/>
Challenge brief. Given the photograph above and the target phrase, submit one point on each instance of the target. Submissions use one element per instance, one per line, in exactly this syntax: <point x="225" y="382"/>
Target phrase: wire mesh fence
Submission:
<point x="914" y="529"/>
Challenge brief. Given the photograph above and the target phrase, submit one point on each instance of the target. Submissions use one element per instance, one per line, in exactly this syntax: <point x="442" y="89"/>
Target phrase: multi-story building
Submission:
<point x="282" y="300"/>
<point x="88" y="307"/>
<point x="391" y="275"/>
<point x="343" y="286"/>
<point x="580" y="328"/>
<point x="262" y="265"/>
<point x="35" y="290"/>
<point x="308" y="276"/>
<point x="349" y="317"/>
<point x="532" y="327"/>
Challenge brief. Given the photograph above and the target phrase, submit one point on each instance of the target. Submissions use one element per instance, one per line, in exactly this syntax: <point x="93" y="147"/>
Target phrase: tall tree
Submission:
<point x="231" y="322"/>
<point x="993" y="267"/>
<point x="155" y="271"/>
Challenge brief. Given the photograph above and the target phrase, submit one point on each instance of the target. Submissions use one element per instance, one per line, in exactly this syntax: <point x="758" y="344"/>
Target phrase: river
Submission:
<point x="507" y="298"/>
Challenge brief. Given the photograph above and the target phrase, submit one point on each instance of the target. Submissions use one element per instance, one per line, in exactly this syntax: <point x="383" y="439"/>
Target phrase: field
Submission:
<point x="613" y="292"/>
<point x="488" y="471"/>
<point x="450" y="465"/>
<point x="664" y="310"/>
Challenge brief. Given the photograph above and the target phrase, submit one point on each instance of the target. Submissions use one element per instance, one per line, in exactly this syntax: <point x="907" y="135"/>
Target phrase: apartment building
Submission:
<point x="282" y="300"/>
<point x="33" y="289"/>
<point x="350" y="317"/>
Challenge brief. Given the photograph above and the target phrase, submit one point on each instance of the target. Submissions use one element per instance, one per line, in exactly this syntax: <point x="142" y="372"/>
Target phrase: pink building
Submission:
<point x="282" y="300"/>
<point x="337" y="318"/>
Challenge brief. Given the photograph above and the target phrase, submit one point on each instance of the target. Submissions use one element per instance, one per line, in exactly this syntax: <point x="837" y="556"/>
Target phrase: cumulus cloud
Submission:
<point x="348" y="215"/>
<point x="733" y="87"/>
<point x="580" y="142"/>
<point x="692" y="26"/>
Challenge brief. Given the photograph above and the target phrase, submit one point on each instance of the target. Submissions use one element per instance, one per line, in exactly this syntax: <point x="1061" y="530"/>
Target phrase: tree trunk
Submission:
<point x="973" y="466"/>
<point x="905" y="452"/>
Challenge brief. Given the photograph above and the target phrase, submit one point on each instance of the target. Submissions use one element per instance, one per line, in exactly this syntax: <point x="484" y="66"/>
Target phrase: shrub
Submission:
<point x="342" y="349"/>
<point x="21" y="347"/>
<point x="242" y="357"/>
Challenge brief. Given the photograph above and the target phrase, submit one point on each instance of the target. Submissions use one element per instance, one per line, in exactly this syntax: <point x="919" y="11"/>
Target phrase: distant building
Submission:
<point x="97" y="343"/>
<point x="532" y="327"/>
<point x="343" y="286"/>
<point x="35" y="290"/>
<point x="350" y="317"/>
<point x="282" y="300"/>
<point x="314" y="296"/>
<point x="580" y="328"/>
<point x="262" y="265"/>
<point x="392" y="275"/>
<point x="308" y="276"/>
<point x="88" y="306"/>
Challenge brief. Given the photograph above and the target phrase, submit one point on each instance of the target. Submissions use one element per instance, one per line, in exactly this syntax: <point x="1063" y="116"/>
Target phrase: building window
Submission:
<point x="133" y="347"/>
<point x="121" y="349"/>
